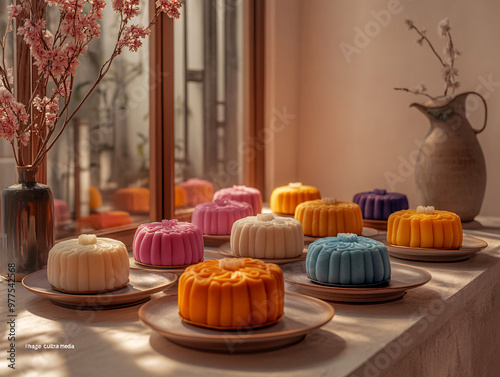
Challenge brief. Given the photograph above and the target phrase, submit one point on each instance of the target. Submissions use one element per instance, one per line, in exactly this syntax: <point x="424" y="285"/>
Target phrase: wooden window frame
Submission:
<point x="254" y="168"/>
<point x="161" y="127"/>
<point x="161" y="174"/>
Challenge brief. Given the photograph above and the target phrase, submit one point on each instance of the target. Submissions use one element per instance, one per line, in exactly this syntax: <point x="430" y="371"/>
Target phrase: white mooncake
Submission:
<point x="88" y="264"/>
<point x="267" y="236"/>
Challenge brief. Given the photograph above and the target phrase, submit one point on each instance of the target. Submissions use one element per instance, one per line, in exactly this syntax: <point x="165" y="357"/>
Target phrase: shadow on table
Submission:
<point x="485" y="232"/>
<point x="42" y="307"/>
<point x="317" y="347"/>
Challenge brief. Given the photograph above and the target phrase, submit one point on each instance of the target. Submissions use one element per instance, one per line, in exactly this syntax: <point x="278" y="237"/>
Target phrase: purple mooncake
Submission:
<point x="379" y="204"/>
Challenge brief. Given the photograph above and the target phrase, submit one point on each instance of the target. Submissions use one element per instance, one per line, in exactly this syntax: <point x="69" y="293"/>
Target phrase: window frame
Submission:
<point x="161" y="127"/>
<point x="254" y="168"/>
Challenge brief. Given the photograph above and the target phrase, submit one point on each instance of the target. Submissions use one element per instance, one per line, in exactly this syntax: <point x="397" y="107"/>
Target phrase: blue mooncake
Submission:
<point x="348" y="259"/>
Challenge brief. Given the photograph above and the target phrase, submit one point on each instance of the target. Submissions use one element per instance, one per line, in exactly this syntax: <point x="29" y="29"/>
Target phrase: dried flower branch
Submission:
<point x="420" y="89"/>
<point x="56" y="56"/>
<point x="449" y="72"/>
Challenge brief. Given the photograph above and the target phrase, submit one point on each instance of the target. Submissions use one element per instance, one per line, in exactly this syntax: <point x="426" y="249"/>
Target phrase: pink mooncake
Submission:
<point x="217" y="218"/>
<point x="242" y="194"/>
<point x="168" y="243"/>
<point x="198" y="191"/>
<point x="61" y="213"/>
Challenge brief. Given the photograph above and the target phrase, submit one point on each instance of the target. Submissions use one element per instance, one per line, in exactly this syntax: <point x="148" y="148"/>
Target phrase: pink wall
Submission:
<point x="353" y="131"/>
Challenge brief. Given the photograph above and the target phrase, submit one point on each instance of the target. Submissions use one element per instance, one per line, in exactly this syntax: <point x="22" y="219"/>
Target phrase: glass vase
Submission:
<point x="27" y="225"/>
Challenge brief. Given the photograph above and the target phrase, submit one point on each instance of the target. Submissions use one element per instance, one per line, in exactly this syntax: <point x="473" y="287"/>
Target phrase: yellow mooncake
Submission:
<point x="327" y="217"/>
<point x="284" y="199"/>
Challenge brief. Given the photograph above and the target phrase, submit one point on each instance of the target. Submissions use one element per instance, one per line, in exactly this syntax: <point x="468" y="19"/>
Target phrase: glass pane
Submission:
<point x="7" y="161"/>
<point x="99" y="168"/>
<point x="209" y="74"/>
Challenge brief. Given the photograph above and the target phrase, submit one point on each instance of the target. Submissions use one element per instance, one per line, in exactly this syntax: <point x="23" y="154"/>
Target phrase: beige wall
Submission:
<point x="352" y="130"/>
<point x="282" y="92"/>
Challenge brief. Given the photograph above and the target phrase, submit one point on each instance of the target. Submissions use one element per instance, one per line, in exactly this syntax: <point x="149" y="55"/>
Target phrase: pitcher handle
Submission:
<point x="485" y="112"/>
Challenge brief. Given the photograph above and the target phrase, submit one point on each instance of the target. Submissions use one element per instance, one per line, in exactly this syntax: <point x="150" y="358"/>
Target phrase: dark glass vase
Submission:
<point x="27" y="225"/>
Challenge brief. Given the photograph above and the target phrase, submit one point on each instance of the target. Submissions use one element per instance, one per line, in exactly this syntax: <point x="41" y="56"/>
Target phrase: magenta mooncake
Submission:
<point x="217" y="218"/>
<point x="246" y="194"/>
<point x="168" y="243"/>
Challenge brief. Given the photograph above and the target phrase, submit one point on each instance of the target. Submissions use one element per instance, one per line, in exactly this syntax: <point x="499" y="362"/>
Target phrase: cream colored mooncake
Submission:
<point x="267" y="236"/>
<point x="88" y="264"/>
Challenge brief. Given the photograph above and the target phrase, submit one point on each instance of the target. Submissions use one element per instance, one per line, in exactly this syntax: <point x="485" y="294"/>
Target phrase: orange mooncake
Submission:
<point x="108" y="219"/>
<point x="425" y="227"/>
<point x="328" y="217"/>
<point x="131" y="199"/>
<point x="231" y="293"/>
<point x="180" y="197"/>
<point x="284" y="199"/>
<point x="95" y="197"/>
<point x="198" y="191"/>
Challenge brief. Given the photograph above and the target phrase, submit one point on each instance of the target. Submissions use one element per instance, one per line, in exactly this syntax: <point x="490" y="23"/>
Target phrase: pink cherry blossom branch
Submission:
<point x="42" y="153"/>
<point x="56" y="58"/>
<point x="3" y="44"/>
<point x="102" y="72"/>
<point x="14" y="152"/>
<point x="63" y="80"/>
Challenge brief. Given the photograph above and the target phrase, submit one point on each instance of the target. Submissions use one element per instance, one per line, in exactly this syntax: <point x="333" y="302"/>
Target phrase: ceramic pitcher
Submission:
<point x="450" y="171"/>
